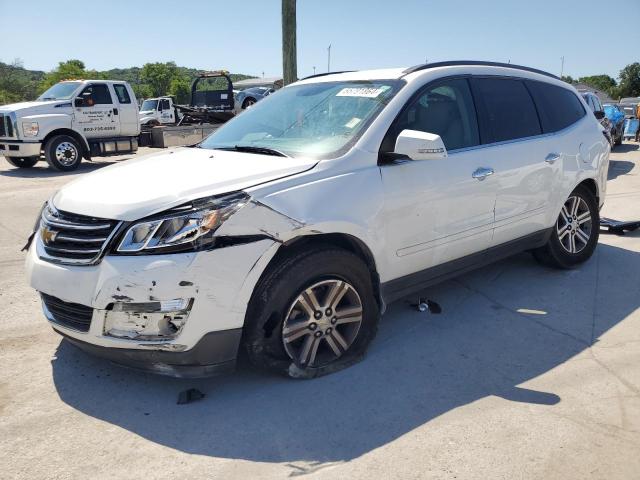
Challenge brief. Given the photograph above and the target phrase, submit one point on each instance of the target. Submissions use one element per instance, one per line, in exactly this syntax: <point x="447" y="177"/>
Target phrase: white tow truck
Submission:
<point x="72" y="120"/>
<point x="158" y="111"/>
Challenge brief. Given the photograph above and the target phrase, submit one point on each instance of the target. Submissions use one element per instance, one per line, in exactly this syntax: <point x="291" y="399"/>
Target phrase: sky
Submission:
<point x="245" y="37"/>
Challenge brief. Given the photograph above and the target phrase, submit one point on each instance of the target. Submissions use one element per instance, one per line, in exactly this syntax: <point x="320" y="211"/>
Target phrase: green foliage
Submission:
<point x="567" y="78"/>
<point x="604" y="83"/>
<point x="630" y="81"/>
<point x="153" y="79"/>
<point x="69" y="70"/>
<point x="180" y="89"/>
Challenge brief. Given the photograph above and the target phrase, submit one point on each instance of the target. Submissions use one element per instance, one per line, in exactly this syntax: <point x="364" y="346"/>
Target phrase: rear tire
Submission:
<point x="302" y="335"/>
<point x="575" y="234"/>
<point x="63" y="153"/>
<point x="25" y="162"/>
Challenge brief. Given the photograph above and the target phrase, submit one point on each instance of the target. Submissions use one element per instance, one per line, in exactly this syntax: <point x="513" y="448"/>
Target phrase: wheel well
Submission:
<point x="247" y="99"/>
<point x="340" y="240"/>
<point x="86" y="153"/>
<point x="591" y="184"/>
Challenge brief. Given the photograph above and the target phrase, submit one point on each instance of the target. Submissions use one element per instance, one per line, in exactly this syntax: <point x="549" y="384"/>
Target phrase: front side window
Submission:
<point x="165" y="104"/>
<point x="121" y="93"/>
<point x="317" y="120"/>
<point x="507" y="109"/>
<point x="445" y="109"/>
<point x="558" y="107"/>
<point x="97" y="94"/>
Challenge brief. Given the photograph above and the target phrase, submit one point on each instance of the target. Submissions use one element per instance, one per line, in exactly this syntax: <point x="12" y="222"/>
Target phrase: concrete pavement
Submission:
<point x="527" y="373"/>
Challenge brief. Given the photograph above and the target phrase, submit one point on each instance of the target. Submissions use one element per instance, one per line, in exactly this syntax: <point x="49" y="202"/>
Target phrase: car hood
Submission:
<point x="30" y="108"/>
<point x="153" y="183"/>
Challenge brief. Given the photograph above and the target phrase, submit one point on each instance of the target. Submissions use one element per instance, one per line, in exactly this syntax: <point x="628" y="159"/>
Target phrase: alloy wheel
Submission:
<point x="574" y="225"/>
<point x="322" y="323"/>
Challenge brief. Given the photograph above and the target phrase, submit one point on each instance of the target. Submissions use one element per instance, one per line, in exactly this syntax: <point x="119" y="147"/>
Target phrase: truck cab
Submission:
<point x="158" y="111"/>
<point x="72" y="120"/>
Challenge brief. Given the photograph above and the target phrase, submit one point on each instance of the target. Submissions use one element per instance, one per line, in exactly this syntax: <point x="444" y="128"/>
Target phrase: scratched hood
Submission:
<point x="136" y="188"/>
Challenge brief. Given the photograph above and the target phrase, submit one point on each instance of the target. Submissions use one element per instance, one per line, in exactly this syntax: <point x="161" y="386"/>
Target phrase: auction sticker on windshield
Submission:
<point x="367" y="92"/>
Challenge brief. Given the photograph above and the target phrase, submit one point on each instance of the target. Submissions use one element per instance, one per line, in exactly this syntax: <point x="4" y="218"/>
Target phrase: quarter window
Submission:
<point x="558" y="107"/>
<point x="121" y="93"/>
<point x="445" y="109"/>
<point x="508" y="112"/>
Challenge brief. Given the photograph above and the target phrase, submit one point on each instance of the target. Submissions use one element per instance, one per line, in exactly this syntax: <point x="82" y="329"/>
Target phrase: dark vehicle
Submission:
<point x="596" y="107"/>
<point x="616" y="117"/>
<point x="246" y="98"/>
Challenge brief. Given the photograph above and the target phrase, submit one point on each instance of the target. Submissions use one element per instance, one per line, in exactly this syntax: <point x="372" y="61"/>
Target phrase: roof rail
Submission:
<point x="455" y="63"/>
<point x="326" y="73"/>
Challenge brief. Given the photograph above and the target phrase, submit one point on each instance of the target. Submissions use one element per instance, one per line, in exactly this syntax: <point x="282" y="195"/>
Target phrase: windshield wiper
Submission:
<point x="254" y="149"/>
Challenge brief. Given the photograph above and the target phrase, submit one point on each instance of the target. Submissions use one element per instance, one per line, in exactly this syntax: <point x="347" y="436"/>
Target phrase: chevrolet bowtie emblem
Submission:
<point x="48" y="236"/>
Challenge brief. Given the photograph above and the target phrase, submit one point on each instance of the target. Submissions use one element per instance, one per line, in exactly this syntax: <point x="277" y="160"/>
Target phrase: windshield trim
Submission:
<point x="396" y="83"/>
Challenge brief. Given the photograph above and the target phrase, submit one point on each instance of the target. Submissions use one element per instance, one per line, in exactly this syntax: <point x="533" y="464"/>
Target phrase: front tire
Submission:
<point x="575" y="234"/>
<point x="620" y="137"/>
<point x="25" y="162"/>
<point x="312" y="314"/>
<point x="63" y="153"/>
<point x="248" y="102"/>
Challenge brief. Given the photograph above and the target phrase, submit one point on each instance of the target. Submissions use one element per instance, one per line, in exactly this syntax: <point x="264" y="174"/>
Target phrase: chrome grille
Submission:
<point x="6" y="126"/>
<point x="74" y="239"/>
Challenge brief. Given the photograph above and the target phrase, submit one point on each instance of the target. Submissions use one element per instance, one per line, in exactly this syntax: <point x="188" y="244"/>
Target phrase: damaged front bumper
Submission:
<point x="175" y="314"/>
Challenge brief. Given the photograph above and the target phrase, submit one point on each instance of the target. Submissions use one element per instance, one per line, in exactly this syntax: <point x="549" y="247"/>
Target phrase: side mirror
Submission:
<point x="599" y="114"/>
<point x="78" y="102"/>
<point x="420" y="145"/>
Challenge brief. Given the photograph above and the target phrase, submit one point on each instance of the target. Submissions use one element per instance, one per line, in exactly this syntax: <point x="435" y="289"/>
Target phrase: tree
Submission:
<point x="159" y="76"/>
<point x="567" y="78"/>
<point x="69" y="70"/>
<point x="603" y="83"/>
<point x="630" y="81"/>
<point x="180" y="88"/>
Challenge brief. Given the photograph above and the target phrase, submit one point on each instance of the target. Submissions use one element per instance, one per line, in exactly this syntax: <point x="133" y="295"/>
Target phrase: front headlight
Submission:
<point x="30" y="129"/>
<point x="187" y="231"/>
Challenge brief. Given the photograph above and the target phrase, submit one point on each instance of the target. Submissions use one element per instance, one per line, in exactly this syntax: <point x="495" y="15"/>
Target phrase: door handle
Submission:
<point x="551" y="158"/>
<point x="115" y="111"/>
<point x="482" y="173"/>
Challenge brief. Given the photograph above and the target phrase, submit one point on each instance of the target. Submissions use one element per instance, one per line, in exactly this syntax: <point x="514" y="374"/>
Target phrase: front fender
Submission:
<point x="47" y="123"/>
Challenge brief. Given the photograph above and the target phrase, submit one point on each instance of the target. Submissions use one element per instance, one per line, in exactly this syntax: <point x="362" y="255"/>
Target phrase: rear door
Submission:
<point x="511" y="130"/>
<point x="96" y="117"/>
<point x="126" y="111"/>
<point x="435" y="210"/>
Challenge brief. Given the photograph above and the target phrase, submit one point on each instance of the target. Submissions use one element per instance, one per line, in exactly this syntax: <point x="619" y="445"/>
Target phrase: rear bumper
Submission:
<point x="10" y="148"/>
<point x="214" y="354"/>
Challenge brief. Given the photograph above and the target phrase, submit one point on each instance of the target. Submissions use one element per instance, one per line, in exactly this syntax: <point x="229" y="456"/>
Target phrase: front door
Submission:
<point x="437" y="211"/>
<point x="95" y="117"/>
<point x="165" y="111"/>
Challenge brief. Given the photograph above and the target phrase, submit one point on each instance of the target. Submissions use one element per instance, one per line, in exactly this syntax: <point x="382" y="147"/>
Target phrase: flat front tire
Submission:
<point x="312" y="314"/>
<point x="25" y="162"/>
<point x="63" y="153"/>
<point x="575" y="234"/>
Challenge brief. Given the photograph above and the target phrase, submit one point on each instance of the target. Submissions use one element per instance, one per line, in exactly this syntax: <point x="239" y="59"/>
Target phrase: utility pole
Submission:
<point x="289" y="52"/>
<point x="329" y="58"/>
<point x="561" y="66"/>
<point x="314" y="70"/>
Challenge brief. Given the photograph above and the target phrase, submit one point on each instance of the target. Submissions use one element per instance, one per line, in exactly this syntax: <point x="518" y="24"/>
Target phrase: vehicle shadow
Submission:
<point x="626" y="147"/>
<point x="501" y="326"/>
<point x="42" y="169"/>
<point x="618" y="168"/>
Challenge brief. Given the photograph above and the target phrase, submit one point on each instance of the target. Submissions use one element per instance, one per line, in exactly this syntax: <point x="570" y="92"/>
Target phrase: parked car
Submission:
<point x="288" y="231"/>
<point x="246" y="98"/>
<point x="616" y="118"/>
<point x="594" y="104"/>
<point x="72" y="120"/>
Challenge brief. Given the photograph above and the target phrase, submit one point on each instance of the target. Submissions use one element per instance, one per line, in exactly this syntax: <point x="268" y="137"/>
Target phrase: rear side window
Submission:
<point x="558" y="107"/>
<point x="507" y="111"/>
<point x="121" y="93"/>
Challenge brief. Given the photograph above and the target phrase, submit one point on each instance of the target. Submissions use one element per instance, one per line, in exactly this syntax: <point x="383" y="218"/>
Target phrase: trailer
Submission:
<point x="211" y="104"/>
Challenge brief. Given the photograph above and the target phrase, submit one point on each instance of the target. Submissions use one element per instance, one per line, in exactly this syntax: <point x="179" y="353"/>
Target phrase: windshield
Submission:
<point x="60" y="91"/>
<point x="319" y="120"/>
<point x="148" y="105"/>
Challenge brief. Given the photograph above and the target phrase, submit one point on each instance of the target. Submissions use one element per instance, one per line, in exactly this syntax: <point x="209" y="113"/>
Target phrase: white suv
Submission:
<point x="285" y="233"/>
